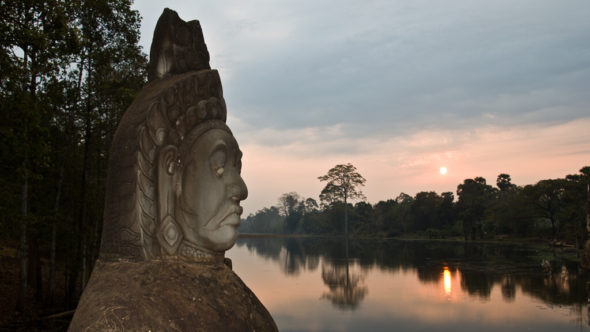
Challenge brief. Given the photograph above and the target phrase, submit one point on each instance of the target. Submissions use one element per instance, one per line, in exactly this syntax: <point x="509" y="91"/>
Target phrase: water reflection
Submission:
<point x="508" y="288"/>
<point x="346" y="288"/>
<point x="477" y="267"/>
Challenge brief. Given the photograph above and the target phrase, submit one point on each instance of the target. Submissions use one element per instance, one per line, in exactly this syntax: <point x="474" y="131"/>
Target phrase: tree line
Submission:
<point x="553" y="209"/>
<point x="68" y="70"/>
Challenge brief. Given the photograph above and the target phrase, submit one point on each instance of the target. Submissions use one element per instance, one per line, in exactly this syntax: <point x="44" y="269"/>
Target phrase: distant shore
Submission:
<point x="537" y="243"/>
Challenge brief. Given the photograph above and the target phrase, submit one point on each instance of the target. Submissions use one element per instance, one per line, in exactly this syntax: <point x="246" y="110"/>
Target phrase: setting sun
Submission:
<point x="443" y="170"/>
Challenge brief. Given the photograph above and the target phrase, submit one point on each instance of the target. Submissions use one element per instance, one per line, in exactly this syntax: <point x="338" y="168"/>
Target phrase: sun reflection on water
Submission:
<point x="447" y="280"/>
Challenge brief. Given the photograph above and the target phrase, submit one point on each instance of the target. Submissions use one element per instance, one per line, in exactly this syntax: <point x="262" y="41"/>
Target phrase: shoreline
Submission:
<point x="535" y="243"/>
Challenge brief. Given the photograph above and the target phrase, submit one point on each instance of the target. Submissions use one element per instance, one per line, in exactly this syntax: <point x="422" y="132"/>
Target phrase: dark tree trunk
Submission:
<point x="67" y="274"/>
<point x="34" y="268"/>
<point x="84" y="195"/>
<point x="588" y="205"/>
<point x="79" y="265"/>
<point x="54" y="235"/>
<point x="345" y="217"/>
<point x="22" y="250"/>
<point x="553" y="231"/>
<point x="97" y="216"/>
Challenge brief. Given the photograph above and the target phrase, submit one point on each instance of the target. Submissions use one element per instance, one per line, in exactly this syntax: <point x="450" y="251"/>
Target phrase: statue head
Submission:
<point x="174" y="183"/>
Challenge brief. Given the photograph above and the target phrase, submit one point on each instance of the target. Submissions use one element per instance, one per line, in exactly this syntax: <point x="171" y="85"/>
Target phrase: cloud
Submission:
<point x="390" y="68"/>
<point x="411" y="163"/>
<point x="388" y="65"/>
<point x="398" y="88"/>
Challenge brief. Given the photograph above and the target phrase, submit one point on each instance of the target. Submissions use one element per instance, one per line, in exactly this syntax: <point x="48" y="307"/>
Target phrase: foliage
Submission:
<point x="68" y="70"/>
<point x="553" y="209"/>
<point x="342" y="184"/>
<point x="267" y="220"/>
<point x="474" y="198"/>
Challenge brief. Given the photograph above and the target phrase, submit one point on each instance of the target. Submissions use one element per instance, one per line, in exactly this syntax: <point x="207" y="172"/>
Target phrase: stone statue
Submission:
<point x="172" y="204"/>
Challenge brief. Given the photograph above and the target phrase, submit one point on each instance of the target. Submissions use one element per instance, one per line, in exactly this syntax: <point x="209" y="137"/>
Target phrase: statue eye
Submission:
<point x="218" y="160"/>
<point x="219" y="171"/>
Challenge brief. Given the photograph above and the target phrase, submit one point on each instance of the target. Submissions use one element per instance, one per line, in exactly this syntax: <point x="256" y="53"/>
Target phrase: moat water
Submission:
<point x="316" y="284"/>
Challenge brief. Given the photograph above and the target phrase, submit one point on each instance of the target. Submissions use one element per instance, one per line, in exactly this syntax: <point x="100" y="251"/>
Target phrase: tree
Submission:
<point x="548" y="201"/>
<point x="35" y="44"/>
<point x="511" y="213"/>
<point x="386" y="220"/>
<point x="586" y="175"/>
<point x="342" y="184"/>
<point x="266" y="220"/>
<point x="446" y="212"/>
<point x="425" y="210"/>
<point x="474" y="196"/>
<point x="586" y="257"/>
<point x="310" y="205"/>
<point x="572" y="215"/>
<point x="68" y="70"/>
<point x="289" y="203"/>
<point x="363" y="218"/>
<point x="109" y="69"/>
<point x="504" y="182"/>
<point x="291" y="206"/>
<point x="403" y="211"/>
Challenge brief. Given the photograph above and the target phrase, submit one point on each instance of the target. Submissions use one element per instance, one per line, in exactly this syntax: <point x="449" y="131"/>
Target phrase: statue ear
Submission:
<point x="167" y="177"/>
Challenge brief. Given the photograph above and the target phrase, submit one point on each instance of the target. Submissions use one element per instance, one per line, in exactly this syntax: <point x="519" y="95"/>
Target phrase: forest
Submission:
<point x="552" y="209"/>
<point x="68" y="71"/>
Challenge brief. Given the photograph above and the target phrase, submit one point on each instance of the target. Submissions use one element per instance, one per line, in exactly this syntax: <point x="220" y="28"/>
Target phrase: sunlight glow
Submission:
<point x="443" y="170"/>
<point x="447" y="280"/>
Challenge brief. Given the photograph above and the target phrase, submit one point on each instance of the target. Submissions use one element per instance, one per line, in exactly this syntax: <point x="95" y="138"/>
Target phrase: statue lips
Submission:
<point x="230" y="218"/>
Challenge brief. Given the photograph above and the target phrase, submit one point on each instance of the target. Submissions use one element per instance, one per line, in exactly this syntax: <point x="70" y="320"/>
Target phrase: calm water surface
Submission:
<point x="332" y="285"/>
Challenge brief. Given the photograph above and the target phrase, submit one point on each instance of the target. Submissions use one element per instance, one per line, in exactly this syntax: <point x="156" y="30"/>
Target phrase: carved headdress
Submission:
<point x="183" y="99"/>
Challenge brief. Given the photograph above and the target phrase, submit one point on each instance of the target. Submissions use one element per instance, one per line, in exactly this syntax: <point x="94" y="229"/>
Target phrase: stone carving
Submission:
<point x="177" y="47"/>
<point x="156" y="203"/>
<point x="149" y="208"/>
<point x="172" y="203"/>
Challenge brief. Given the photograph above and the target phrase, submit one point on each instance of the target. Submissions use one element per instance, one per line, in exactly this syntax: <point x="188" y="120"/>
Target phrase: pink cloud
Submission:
<point x="411" y="163"/>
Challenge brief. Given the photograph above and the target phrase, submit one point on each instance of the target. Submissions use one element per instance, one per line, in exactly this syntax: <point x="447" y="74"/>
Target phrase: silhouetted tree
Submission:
<point x="547" y="198"/>
<point x="474" y="195"/>
<point x="446" y="212"/>
<point x="343" y="182"/>
<point x="291" y="207"/>
<point x="425" y="210"/>
<point x="310" y="205"/>
<point x="504" y="182"/>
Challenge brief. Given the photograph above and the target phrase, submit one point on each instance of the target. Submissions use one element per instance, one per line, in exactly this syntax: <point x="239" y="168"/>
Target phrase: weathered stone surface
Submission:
<point x="177" y="47"/>
<point x="169" y="295"/>
<point x="174" y="183"/>
<point x="154" y="139"/>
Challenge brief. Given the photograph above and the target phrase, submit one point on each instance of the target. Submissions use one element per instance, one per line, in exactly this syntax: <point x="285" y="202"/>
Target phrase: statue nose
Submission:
<point x="239" y="191"/>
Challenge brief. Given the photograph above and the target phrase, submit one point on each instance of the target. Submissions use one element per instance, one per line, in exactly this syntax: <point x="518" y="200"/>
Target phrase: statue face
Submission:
<point x="208" y="209"/>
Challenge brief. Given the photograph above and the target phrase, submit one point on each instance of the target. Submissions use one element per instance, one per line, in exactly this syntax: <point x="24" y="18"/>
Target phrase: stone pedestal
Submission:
<point x="175" y="294"/>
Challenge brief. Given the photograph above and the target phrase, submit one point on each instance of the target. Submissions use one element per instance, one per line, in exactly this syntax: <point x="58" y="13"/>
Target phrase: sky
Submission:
<point x="397" y="88"/>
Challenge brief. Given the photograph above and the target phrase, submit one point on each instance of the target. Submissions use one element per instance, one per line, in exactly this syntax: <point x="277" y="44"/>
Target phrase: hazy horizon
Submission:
<point x="398" y="89"/>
